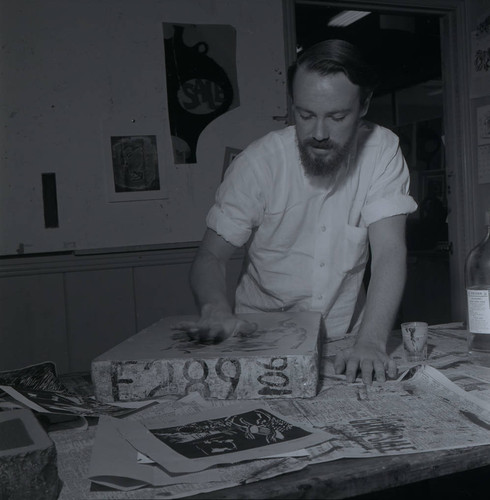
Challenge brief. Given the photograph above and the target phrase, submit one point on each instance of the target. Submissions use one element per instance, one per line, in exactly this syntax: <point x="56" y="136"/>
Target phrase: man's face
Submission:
<point x="327" y="110"/>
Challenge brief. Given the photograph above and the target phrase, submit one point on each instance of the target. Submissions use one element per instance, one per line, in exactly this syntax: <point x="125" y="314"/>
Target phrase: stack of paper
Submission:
<point x="177" y="449"/>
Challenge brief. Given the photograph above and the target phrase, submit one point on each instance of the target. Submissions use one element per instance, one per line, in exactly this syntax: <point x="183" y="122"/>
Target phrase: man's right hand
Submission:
<point x="215" y="325"/>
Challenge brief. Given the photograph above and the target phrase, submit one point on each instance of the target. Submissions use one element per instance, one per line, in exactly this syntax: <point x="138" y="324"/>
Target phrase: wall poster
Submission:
<point x="133" y="164"/>
<point x="201" y="79"/>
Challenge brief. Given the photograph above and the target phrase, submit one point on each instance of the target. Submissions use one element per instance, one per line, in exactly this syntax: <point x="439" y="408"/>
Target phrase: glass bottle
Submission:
<point x="477" y="278"/>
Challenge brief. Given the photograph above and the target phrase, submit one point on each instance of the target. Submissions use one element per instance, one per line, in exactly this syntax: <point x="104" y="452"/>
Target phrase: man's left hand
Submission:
<point x="368" y="358"/>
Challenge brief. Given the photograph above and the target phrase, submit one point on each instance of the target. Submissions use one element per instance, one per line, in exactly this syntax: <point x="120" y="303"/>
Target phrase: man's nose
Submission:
<point x="321" y="131"/>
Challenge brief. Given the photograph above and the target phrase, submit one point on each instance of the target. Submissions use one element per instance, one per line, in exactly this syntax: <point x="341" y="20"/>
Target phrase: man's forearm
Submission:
<point x="385" y="291"/>
<point x="208" y="281"/>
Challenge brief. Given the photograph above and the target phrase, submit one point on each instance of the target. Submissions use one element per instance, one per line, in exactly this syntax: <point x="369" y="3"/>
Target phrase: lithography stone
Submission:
<point x="280" y="359"/>
<point x="28" y="466"/>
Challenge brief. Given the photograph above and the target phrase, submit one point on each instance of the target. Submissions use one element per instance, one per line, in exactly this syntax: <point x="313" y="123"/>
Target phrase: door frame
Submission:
<point x="460" y="178"/>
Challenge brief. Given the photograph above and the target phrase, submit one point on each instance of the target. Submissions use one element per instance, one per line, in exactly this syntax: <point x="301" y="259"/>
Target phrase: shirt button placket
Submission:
<point x="320" y="278"/>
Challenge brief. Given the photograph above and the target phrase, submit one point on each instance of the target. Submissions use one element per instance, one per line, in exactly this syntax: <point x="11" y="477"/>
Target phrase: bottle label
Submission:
<point x="479" y="311"/>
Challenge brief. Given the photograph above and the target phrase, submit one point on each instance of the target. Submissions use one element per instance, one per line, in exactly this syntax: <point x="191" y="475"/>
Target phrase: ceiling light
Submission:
<point x="347" y="17"/>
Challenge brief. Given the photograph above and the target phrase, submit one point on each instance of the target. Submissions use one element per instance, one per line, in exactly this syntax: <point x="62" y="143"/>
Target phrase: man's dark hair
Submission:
<point x="336" y="56"/>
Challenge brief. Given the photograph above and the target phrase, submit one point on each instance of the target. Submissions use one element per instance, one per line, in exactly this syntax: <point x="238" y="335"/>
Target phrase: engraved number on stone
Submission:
<point x="222" y="366"/>
<point x="196" y="383"/>
<point x="274" y="380"/>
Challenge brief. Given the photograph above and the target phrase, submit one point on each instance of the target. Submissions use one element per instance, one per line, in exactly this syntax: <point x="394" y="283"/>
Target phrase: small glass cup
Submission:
<point x="414" y="335"/>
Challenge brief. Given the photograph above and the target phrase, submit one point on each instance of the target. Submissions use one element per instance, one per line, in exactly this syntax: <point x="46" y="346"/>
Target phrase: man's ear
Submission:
<point x="365" y="104"/>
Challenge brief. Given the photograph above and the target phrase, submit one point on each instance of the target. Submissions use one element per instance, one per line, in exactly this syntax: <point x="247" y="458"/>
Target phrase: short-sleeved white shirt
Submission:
<point x="310" y="244"/>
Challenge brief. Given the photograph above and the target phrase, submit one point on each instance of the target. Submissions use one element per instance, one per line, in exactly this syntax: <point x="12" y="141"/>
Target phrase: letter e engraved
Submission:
<point x="121" y="379"/>
<point x="275" y="381"/>
<point x="196" y="384"/>
<point x="232" y="379"/>
<point x="133" y="380"/>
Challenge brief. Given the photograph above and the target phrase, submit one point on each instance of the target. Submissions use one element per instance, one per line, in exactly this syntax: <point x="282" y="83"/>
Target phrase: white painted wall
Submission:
<point x="74" y="72"/>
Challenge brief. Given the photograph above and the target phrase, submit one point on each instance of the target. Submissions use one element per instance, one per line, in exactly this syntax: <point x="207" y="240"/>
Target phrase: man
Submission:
<point x="311" y="200"/>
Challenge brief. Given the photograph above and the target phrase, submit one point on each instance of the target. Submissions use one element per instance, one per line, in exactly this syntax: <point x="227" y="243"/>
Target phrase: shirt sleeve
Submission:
<point x="389" y="194"/>
<point x="239" y="202"/>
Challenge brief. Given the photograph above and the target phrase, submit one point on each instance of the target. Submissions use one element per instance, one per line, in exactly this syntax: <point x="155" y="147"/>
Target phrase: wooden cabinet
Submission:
<point x="100" y="312"/>
<point x="33" y="321"/>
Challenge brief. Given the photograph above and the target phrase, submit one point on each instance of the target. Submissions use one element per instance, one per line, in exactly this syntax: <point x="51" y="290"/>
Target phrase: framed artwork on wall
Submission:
<point x="133" y="162"/>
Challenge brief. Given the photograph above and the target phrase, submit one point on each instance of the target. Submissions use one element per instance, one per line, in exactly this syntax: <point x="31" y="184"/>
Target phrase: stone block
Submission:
<point x="279" y="360"/>
<point x="28" y="466"/>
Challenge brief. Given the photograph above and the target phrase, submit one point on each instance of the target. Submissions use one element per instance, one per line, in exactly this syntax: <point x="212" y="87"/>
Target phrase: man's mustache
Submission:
<point x="324" y="144"/>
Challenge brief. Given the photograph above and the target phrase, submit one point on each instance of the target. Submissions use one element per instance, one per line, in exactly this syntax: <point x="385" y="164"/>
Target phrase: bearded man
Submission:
<point x="312" y="202"/>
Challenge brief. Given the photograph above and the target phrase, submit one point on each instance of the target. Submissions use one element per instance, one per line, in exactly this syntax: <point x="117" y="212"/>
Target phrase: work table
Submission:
<point x="339" y="478"/>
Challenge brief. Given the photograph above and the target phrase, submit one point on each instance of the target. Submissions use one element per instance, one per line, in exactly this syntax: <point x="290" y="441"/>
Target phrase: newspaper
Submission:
<point x="455" y="363"/>
<point x="422" y="411"/>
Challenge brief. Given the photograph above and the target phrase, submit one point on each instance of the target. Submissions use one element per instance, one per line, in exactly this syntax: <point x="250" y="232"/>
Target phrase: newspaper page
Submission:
<point x="455" y="363"/>
<point x="423" y="411"/>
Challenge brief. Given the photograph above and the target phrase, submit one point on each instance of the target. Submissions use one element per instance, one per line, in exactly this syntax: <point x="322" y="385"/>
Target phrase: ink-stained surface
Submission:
<point x="280" y="359"/>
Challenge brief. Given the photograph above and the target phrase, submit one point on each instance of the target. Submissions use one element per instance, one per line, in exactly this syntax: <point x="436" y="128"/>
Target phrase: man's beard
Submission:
<point x="323" y="166"/>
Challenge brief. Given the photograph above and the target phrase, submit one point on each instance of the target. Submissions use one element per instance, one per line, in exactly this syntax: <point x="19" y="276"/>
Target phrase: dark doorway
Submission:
<point x="405" y="49"/>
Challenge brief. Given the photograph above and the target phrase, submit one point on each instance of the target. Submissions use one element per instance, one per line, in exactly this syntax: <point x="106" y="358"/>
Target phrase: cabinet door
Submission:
<point x="162" y="291"/>
<point x="32" y="321"/>
<point x="100" y="313"/>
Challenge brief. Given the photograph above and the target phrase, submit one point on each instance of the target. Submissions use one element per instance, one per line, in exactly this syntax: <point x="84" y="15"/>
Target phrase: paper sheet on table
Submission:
<point x="231" y="434"/>
<point x="143" y="459"/>
<point x="114" y="464"/>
